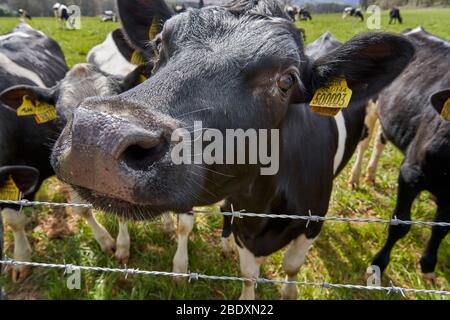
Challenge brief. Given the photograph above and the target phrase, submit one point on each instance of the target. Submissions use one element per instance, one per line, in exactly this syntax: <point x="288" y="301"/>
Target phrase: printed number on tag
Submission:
<point x="336" y="95"/>
<point x="42" y="111"/>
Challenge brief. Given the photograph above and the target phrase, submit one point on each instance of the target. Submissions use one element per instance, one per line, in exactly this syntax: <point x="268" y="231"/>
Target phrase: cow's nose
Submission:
<point x="139" y="150"/>
<point x="110" y="153"/>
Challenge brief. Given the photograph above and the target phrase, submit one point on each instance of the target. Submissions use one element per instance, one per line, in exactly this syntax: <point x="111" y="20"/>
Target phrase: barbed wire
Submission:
<point x="196" y="276"/>
<point x="241" y="214"/>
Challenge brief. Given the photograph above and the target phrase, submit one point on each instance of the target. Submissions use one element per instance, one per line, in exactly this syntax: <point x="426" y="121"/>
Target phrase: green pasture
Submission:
<point x="341" y="254"/>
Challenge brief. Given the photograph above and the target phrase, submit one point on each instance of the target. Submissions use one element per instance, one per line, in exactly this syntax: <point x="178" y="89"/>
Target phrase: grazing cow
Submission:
<point x="409" y="120"/>
<point x="394" y="15"/>
<point x="109" y="16"/>
<point x="304" y="14"/>
<point x="353" y="12"/>
<point x="291" y="12"/>
<point x="62" y="15"/>
<point x="121" y="161"/>
<point x="24" y="15"/>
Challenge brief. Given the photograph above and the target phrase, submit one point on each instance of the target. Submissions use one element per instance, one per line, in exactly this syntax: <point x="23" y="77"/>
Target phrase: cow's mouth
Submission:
<point x="122" y="208"/>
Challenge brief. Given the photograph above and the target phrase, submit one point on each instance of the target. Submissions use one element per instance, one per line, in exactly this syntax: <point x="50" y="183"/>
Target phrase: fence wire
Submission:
<point x="240" y="214"/>
<point x="234" y="214"/>
<point x="196" y="276"/>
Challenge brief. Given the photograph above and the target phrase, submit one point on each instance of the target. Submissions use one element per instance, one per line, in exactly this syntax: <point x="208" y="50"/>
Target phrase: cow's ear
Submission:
<point x="142" y="21"/>
<point x="368" y="63"/>
<point x="137" y="76"/>
<point x="441" y="102"/>
<point x="24" y="178"/>
<point x="16" y="96"/>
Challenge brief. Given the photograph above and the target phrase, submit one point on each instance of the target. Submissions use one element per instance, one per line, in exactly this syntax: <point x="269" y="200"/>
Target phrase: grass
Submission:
<point x="341" y="254"/>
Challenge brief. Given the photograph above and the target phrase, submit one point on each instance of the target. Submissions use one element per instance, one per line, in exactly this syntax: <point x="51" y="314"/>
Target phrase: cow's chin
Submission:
<point x="125" y="209"/>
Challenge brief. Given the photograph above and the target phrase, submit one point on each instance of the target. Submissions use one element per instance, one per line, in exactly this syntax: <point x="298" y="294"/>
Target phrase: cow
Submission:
<point x="24" y="15"/>
<point x="27" y="57"/>
<point x="304" y="14"/>
<point x="394" y="15"/>
<point x="108" y="16"/>
<point x="82" y="81"/>
<point x="410" y="121"/>
<point x="122" y="161"/>
<point x="62" y="15"/>
<point x="353" y="12"/>
<point x="292" y="12"/>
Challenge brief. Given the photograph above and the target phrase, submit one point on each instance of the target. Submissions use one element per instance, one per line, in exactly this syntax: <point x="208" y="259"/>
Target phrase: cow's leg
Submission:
<point x="181" y="258"/>
<point x="429" y="257"/>
<point x="101" y="235"/>
<point x="123" y="242"/>
<point x="228" y="244"/>
<point x="380" y="144"/>
<point x="293" y="260"/>
<point x="250" y="268"/>
<point x="22" y="249"/>
<point x="167" y="222"/>
<point x="408" y="189"/>
<point x="369" y="125"/>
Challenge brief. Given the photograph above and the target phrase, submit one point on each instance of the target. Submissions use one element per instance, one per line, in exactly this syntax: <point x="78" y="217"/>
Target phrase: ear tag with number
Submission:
<point x="154" y="28"/>
<point x="331" y="99"/>
<point x="9" y="191"/>
<point x="42" y="111"/>
<point x="445" y="113"/>
<point x="136" y="58"/>
<point x="27" y="107"/>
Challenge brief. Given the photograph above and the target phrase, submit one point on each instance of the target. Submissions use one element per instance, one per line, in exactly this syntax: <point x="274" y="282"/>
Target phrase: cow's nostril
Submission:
<point x="141" y="155"/>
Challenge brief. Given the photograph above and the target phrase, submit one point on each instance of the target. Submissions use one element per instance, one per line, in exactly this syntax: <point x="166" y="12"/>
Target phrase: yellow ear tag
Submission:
<point x="142" y="78"/>
<point x="44" y="112"/>
<point x="445" y="113"/>
<point x="154" y="28"/>
<point x="331" y="99"/>
<point x="9" y="191"/>
<point x="27" y="107"/>
<point x="136" y="58"/>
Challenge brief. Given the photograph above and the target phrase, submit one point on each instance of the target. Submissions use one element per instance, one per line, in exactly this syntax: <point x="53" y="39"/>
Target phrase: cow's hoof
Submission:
<point x="20" y="273"/>
<point x="353" y="185"/>
<point x="289" y="292"/>
<point x="430" y="277"/>
<point x="122" y="256"/>
<point x="108" y="245"/>
<point x="370" y="180"/>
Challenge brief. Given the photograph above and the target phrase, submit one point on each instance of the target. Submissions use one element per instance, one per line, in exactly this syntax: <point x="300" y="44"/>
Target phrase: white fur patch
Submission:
<point x="109" y="59"/>
<point x="342" y="138"/>
<point x="13" y="68"/>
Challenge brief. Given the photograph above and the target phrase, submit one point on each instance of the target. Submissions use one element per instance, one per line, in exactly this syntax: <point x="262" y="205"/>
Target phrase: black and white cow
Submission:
<point x="26" y="142"/>
<point x="24" y="15"/>
<point x="62" y="14"/>
<point x="27" y="57"/>
<point x="394" y="15"/>
<point x="353" y="12"/>
<point x="408" y="117"/>
<point x="121" y="161"/>
<point x="304" y="14"/>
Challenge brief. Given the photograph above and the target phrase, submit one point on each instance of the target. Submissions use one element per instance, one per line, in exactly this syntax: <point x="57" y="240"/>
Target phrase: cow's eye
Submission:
<point x="286" y="82"/>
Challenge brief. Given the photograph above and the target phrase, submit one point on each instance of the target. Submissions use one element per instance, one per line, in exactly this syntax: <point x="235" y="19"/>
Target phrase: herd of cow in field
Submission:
<point x="107" y="128"/>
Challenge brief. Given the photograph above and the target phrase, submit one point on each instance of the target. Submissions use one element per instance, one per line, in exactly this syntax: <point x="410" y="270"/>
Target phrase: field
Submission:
<point x="341" y="254"/>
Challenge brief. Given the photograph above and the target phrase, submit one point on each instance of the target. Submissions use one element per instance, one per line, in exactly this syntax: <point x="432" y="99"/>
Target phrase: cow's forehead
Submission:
<point x="221" y="32"/>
